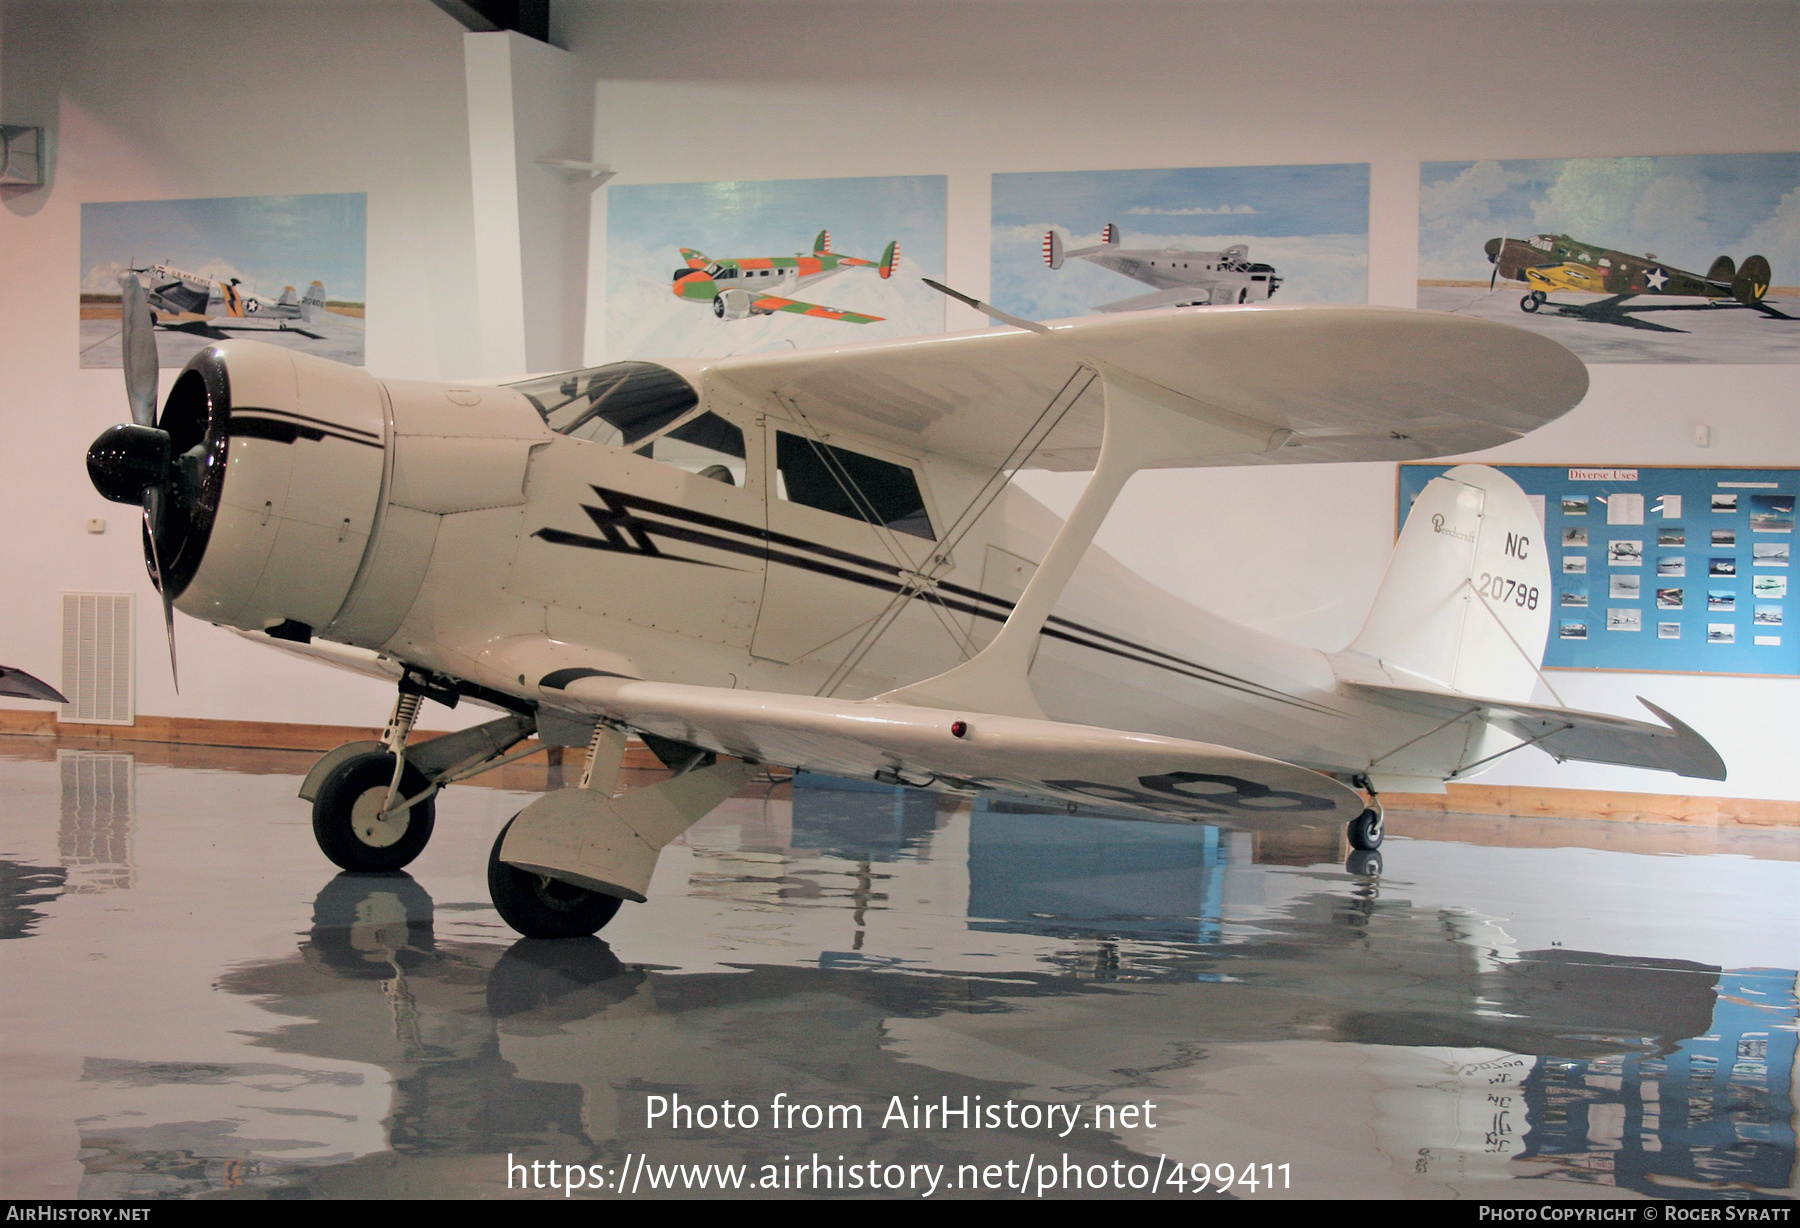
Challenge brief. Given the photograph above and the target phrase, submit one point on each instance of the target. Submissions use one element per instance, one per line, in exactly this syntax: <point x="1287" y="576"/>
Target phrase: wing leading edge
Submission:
<point x="1154" y="777"/>
<point x="1346" y="383"/>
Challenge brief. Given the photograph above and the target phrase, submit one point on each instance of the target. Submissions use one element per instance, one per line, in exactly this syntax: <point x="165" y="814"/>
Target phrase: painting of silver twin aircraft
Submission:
<point x="1182" y="278"/>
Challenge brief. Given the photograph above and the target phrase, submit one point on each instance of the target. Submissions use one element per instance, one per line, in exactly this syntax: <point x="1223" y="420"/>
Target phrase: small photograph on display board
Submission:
<point x="1692" y="258"/>
<point x="1066" y="243"/>
<point x="1704" y="522"/>
<point x="288" y="270"/>
<point x="713" y="269"/>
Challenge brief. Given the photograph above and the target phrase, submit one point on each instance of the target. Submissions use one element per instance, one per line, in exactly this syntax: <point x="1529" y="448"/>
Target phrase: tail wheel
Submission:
<point x="347" y="815"/>
<point x="542" y="907"/>
<point x="1366" y="830"/>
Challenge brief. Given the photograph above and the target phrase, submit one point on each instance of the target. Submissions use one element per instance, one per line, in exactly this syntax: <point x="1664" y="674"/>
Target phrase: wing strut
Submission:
<point x="1145" y="423"/>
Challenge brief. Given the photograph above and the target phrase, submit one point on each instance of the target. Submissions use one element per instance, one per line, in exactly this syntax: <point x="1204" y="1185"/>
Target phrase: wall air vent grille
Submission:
<point x="97" y="664"/>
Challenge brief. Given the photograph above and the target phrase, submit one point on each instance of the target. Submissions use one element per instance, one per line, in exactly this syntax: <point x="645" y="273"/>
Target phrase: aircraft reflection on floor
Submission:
<point x="1547" y="1064"/>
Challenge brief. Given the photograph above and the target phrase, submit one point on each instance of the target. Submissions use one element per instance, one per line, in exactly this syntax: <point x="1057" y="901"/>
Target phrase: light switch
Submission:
<point x="1702" y="435"/>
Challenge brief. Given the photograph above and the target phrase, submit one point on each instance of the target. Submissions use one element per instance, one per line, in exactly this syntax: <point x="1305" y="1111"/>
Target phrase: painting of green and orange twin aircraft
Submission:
<point x="1548" y="263"/>
<point x="759" y="285"/>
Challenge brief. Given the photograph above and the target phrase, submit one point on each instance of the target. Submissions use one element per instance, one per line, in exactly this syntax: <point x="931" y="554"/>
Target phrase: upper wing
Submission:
<point x="695" y="260"/>
<point x="1591" y="737"/>
<point x="1070" y="765"/>
<point x="1351" y="383"/>
<point x="771" y="302"/>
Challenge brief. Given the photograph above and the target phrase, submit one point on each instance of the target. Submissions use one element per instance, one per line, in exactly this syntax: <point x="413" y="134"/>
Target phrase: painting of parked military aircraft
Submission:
<point x="1064" y="243"/>
<point x="210" y="269"/>
<point x="715" y="269"/>
<point x="1603" y="253"/>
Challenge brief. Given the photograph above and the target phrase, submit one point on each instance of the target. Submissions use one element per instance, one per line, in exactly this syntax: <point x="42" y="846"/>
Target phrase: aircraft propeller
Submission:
<point x="132" y="462"/>
<point x="1498" y="253"/>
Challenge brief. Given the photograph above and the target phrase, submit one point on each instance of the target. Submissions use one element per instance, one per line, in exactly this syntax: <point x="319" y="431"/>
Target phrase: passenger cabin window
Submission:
<point x="619" y="404"/>
<point x="707" y="445"/>
<point x="847" y="483"/>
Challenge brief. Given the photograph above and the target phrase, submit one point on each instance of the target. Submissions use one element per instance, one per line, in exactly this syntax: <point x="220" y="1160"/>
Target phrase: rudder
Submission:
<point x="1465" y="603"/>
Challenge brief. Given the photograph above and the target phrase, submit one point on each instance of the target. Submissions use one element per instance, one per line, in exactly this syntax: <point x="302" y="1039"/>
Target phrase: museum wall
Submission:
<point x="173" y="100"/>
<point x="199" y="99"/>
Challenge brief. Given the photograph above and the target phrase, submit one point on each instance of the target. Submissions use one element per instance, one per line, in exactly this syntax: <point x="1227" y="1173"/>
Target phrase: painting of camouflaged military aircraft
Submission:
<point x="1547" y="263"/>
<point x="1182" y="278"/>
<point x="173" y="293"/>
<point x="759" y="286"/>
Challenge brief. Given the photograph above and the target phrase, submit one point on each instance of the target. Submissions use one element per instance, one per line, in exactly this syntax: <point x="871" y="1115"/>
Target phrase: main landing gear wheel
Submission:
<point x="1534" y="300"/>
<point x="542" y="907"/>
<point x="1365" y="830"/>
<point x="347" y="818"/>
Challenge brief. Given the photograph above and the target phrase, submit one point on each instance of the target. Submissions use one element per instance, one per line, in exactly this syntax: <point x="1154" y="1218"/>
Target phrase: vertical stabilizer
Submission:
<point x="1465" y="603"/>
<point x="312" y="306"/>
<point x="822" y="243"/>
<point x="1053" y="249"/>
<point x="890" y="259"/>
<point x="1110" y="236"/>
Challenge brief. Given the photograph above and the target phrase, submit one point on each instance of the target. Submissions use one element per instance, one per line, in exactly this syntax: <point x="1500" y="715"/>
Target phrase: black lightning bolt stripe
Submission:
<point x="630" y="534"/>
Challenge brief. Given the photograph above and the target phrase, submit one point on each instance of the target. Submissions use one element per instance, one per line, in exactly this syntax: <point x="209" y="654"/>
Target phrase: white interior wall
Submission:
<point x="371" y="98"/>
<point x="193" y="99"/>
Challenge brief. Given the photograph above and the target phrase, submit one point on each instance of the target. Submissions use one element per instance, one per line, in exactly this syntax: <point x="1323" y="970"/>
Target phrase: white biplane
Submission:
<point x="817" y="560"/>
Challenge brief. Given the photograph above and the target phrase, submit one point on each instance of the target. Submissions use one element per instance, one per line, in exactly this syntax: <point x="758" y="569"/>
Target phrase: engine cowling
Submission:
<point x="733" y="304"/>
<point x="288" y="452"/>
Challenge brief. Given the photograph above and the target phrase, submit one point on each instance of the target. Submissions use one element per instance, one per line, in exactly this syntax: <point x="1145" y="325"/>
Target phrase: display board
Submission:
<point x="1661" y="569"/>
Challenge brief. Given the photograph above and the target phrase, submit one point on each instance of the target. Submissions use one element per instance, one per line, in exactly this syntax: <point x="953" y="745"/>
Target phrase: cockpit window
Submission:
<point x="618" y="404"/>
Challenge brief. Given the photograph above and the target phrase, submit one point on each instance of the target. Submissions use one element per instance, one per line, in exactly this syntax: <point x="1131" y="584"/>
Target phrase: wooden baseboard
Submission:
<point x="248" y="735"/>
<point x="1530" y="802"/>
<point x="1513" y="800"/>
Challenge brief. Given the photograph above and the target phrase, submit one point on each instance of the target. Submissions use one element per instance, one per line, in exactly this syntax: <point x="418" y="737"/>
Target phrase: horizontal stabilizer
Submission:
<point x="1159" y="778"/>
<point x="1566" y="733"/>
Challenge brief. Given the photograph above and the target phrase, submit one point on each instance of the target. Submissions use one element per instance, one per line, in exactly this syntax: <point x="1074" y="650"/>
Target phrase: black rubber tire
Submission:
<point x="1529" y="303"/>
<point x="1366" y="831"/>
<point x="1363" y="863"/>
<point x="365" y="778"/>
<point x="541" y="907"/>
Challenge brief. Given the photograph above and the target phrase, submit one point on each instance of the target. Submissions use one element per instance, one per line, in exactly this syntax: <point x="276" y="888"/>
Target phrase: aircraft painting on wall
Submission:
<point x="194" y="296"/>
<point x="1058" y="239"/>
<point x="1547" y="263"/>
<point x="213" y="255"/>
<point x="743" y="303"/>
<point x="817" y="560"/>
<point x="1182" y="278"/>
<point x="1621" y="244"/>
<point x="741" y="287"/>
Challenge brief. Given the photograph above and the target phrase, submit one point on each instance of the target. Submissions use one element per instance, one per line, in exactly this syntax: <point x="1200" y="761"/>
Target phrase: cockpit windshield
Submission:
<point x="618" y="404"/>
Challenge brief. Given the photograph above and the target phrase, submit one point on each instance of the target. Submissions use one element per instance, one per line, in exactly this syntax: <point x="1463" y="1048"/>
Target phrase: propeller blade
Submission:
<point x="137" y="341"/>
<point x="1499" y="255"/>
<point x="152" y="519"/>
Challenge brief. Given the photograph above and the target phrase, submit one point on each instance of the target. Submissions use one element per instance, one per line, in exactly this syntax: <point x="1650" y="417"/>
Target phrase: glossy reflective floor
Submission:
<point x="196" y="1005"/>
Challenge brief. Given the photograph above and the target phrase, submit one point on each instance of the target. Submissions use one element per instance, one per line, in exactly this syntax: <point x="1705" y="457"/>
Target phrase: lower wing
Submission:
<point x="770" y="302"/>
<point x="1566" y="733"/>
<point x="1143" y="775"/>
